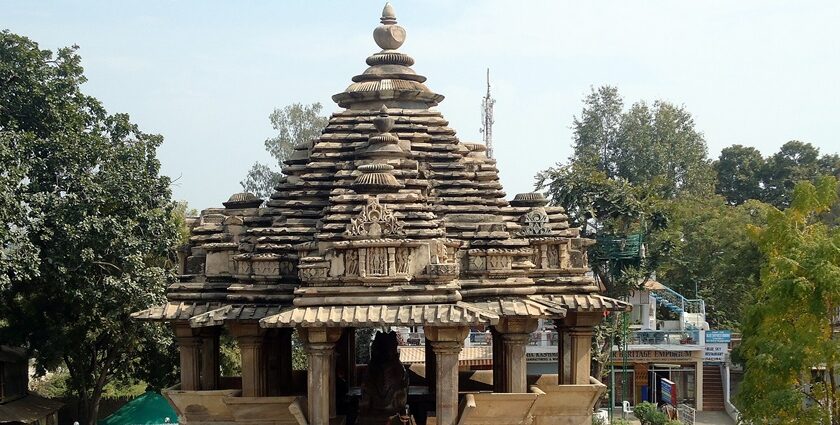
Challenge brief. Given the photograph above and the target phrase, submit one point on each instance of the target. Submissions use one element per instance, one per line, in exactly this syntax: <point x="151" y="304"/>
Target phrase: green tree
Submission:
<point x="625" y="167"/>
<point x="789" y="348"/>
<point x="296" y="125"/>
<point x="97" y="215"/>
<point x="794" y="162"/>
<point x="659" y="147"/>
<point x="711" y="256"/>
<point x="739" y="174"/>
<point x="596" y="131"/>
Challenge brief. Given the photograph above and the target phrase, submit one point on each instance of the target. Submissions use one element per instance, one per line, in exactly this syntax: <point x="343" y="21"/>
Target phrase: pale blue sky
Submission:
<point x="206" y="74"/>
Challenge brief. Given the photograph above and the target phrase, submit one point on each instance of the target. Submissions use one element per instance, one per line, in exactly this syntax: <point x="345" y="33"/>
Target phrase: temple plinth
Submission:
<point x="386" y="220"/>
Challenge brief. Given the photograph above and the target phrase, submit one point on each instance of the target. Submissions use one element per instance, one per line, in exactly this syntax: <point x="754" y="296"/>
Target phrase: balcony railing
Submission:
<point x="658" y="337"/>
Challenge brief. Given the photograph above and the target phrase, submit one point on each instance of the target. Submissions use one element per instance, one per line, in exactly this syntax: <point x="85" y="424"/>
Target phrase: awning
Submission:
<point x="534" y="306"/>
<point x="468" y="356"/>
<point x="235" y="312"/>
<point x="588" y="302"/>
<point x="457" y="314"/>
<point x="28" y="409"/>
<point x="180" y="310"/>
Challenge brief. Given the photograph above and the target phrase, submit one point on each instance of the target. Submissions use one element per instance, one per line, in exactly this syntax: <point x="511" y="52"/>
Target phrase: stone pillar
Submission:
<point x="580" y="327"/>
<point x="189" y="348"/>
<point x="499" y="362"/>
<point x="446" y="344"/>
<point x="563" y="372"/>
<point x="251" y="339"/>
<point x="516" y="370"/>
<point x="515" y="333"/>
<point x="210" y="358"/>
<point x="320" y="346"/>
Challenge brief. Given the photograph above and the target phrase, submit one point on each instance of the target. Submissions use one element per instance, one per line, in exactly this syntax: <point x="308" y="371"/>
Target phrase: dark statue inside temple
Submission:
<point x="385" y="388"/>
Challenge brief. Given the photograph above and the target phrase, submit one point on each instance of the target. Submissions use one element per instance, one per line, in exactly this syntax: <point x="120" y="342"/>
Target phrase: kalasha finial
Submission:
<point x="383" y="123"/>
<point x="389" y="35"/>
<point x="389" y="17"/>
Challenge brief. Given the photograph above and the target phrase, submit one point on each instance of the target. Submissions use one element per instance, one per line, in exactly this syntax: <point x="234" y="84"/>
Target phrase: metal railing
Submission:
<point x="686" y="414"/>
<point x="544" y="338"/>
<point x="658" y="337"/>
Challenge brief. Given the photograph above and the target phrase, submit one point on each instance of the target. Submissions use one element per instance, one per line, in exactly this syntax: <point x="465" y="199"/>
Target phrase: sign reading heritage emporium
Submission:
<point x="661" y="355"/>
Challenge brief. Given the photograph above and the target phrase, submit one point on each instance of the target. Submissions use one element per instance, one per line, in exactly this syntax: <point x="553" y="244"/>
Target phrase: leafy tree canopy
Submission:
<point x="626" y="165"/>
<point x="788" y="331"/>
<point x="89" y="219"/>
<point x="743" y="174"/>
<point x="296" y="125"/>
<point x="710" y="256"/>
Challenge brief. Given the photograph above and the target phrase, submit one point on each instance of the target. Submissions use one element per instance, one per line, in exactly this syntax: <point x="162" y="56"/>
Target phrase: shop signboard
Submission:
<point x="718" y="336"/>
<point x="668" y="392"/>
<point x="715" y="352"/>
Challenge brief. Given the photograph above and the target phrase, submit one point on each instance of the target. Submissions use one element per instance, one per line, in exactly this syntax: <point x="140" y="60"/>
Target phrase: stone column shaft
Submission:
<point x="320" y="352"/>
<point x="581" y="352"/>
<point x="253" y="377"/>
<point x="318" y="382"/>
<point x="190" y="353"/>
<point x="446" y="381"/>
<point x="515" y="371"/>
<point x="210" y="359"/>
<point x="446" y="343"/>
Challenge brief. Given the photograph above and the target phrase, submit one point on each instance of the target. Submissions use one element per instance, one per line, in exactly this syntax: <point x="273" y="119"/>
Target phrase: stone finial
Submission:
<point x="243" y="200"/>
<point x="389" y="17"/>
<point x="383" y="122"/>
<point x="389" y="35"/>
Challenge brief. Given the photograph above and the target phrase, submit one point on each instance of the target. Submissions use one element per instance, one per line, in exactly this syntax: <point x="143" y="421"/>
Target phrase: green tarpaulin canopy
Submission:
<point x="148" y="409"/>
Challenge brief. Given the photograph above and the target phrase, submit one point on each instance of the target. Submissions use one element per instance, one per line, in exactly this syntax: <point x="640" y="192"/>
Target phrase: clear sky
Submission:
<point x="206" y="74"/>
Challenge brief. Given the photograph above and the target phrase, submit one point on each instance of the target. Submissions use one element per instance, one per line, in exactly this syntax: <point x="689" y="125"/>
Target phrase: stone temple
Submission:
<point x="385" y="220"/>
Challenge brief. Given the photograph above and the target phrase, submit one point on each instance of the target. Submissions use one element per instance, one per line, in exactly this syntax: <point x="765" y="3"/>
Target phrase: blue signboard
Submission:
<point x="668" y="392"/>
<point x="718" y="337"/>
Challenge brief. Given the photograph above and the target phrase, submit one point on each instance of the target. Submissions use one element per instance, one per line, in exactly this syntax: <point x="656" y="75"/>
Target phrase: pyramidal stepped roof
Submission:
<point x="386" y="208"/>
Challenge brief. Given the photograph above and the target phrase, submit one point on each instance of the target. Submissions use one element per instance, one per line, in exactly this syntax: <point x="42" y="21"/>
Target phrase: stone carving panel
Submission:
<point x="377" y="261"/>
<point x="375" y="221"/>
<point x="535" y="223"/>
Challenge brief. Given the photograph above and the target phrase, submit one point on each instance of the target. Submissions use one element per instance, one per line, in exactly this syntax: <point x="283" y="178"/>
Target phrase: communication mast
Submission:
<point x="486" y="130"/>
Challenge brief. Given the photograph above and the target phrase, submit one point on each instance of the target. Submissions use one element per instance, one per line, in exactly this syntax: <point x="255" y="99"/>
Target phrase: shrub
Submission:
<point x="648" y="414"/>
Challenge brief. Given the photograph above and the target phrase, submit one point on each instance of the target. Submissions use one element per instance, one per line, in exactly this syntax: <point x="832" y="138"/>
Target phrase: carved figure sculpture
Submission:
<point x="385" y="389"/>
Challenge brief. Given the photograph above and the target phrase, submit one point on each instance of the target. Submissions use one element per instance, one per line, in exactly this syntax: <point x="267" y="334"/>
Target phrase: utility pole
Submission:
<point x="486" y="130"/>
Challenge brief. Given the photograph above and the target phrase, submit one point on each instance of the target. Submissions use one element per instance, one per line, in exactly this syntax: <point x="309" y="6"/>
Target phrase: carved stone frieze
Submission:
<point x="535" y="223"/>
<point x="375" y="221"/>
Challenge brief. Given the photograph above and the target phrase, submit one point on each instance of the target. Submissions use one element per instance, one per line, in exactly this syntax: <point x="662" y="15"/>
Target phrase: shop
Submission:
<point x="639" y="376"/>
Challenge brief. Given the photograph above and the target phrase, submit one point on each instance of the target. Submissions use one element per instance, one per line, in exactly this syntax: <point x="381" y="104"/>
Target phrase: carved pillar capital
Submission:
<point x="447" y="347"/>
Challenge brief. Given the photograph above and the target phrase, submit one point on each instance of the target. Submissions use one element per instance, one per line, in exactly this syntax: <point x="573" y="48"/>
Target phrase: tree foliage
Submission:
<point x="789" y="348"/>
<point x="625" y="167"/>
<point x="739" y="169"/>
<point x="743" y="173"/>
<point x="90" y="218"/>
<point x="296" y="124"/>
<point x="710" y="254"/>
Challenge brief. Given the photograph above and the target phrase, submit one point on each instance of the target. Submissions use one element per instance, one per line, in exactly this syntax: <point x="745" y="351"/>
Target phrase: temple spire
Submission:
<point x="389" y="80"/>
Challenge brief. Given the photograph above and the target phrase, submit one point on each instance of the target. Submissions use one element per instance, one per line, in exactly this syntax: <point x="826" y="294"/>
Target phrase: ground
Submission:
<point x="702" y="418"/>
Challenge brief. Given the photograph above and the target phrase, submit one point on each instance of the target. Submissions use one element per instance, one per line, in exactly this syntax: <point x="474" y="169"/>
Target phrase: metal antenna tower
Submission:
<point x="486" y="130"/>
